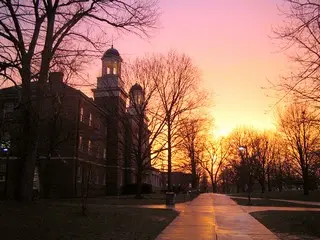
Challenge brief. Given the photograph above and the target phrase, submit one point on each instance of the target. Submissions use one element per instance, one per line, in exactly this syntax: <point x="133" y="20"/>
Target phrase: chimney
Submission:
<point x="56" y="77"/>
<point x="56" y="82"/>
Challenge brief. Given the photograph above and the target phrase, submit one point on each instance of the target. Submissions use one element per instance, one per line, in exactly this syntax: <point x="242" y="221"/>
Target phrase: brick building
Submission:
<point x="82" y="140"/>
<point x="72" y="139"/>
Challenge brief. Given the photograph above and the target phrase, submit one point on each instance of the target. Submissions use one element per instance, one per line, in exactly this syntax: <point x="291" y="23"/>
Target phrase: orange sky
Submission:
<point x="230" y="42"/>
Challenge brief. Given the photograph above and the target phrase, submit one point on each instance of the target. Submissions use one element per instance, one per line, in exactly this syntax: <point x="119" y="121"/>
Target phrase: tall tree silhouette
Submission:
<point x="36" y="36"/>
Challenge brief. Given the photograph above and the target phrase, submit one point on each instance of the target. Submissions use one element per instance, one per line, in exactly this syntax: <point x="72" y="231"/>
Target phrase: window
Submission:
<point x="97" y="124"/>
<point x="8" y="109"/>
<point x="5" y="142"/>
<point x="3" y="168"/>
<point x="79" y="174"/>
<point x="97" y="179"/>
<point x="98" y="151"/>
<point x="90" y="120"/>
<point x="104" y="153"/>
<point x="89" y="147"/>
<point x="81" y="115"/>
<point x="2" y="178"/>
<point x="138" y="98"/>
<point x="8" y="106"/>
<point x="104" y="180"/>
<point x="80" y="143"/>
<point x="3" y="172"/>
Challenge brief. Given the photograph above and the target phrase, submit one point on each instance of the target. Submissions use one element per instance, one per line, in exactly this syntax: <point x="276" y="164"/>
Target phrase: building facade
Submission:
<point x="83" y="145"/>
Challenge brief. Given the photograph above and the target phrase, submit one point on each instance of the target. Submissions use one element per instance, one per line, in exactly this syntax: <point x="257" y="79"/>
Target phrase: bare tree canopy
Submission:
<point x="145" y="116"/>
<point x="171" y="82"/>
<point x="177" y="85"/>
<point x="300" y="126"/>
<point x="215" y="154"/>
<point x="193" y="134"/>
<point x="36" y="36"/>
<point x="300" y="34"/>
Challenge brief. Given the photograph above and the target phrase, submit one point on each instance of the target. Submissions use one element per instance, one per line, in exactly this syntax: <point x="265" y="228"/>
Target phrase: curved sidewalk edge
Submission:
<point x="232" y="222"/>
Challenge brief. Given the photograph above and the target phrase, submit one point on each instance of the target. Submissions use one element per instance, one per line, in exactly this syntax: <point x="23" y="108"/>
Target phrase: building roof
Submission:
<point x="13" y="91"/>
<point x="112" y="53"/>
<point x="136" y="87"/>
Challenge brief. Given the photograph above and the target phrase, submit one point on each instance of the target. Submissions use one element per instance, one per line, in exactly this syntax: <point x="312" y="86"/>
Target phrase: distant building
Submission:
<point x="181" y="181"/>
<point x="82" y="139"/>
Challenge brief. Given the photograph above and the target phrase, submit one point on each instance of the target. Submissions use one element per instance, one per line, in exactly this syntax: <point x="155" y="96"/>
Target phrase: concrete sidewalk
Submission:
<point x="196" y="221"/>
<point x="232" y="222"/>
<point x="216" y="217"/>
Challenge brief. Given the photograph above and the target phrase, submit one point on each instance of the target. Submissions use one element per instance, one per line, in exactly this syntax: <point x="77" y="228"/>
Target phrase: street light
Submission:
<point x="245" y="149"/>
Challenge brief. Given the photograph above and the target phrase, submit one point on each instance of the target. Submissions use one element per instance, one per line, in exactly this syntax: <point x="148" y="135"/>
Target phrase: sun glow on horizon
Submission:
<point x="221" y="132"/>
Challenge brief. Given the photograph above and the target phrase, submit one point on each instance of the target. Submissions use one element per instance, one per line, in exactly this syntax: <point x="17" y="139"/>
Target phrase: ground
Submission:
<point x="53" y="220"/>
<point x="130" y="199"/>
<point x="291" y="224"/>
<point x="268" y="202"/>
<point x="288" y="195"/>
<point x="286" y="219"/>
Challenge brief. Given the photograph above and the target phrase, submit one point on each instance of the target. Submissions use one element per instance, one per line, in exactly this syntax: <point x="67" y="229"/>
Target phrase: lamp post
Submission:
<point x="245" y="150"/>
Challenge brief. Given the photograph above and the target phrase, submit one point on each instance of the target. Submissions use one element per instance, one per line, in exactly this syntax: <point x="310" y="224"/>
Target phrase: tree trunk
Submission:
<point x="305" y="176"/>
<point x="212" y="184"/>
<point x="45" y="175"/>
<point x="169" y="159"/>
<point x="268" y="179"/>
<point x="194" y="182"/>
<point x="263" y="186"/>
<point x="139" y="185"/>
<point x="250" y="183"/>
<point x="280" y="179"/>
<point x="86" y="179"/>
<point x="28" y="150"/>
<point x="280" y="186"/>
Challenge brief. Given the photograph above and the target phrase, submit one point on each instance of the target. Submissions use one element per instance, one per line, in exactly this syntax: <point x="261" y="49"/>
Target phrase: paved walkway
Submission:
<point x="216" y="217"/>
<point x="196" y="221"/>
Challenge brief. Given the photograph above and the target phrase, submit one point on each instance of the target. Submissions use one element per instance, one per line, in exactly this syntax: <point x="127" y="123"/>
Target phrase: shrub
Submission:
<point x="132" y="189"/>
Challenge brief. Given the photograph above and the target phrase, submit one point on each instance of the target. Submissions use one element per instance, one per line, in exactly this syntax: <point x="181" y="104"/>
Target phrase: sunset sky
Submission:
<point x="230" y="42"/>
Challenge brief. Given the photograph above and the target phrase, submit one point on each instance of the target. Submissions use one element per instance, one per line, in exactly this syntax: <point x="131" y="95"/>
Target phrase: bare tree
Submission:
<point x="300" y="34"/>
<point x="215" y="155"/>
<point x="299" y="125"/>
<point x="36" y="36"/>
<point x="145" y="120"/>
<point x="243" y="143"/>
<point x="192" y="133"/>
<point x="86" y="180"/>
<point x="280" y="165"/>
<point x="262" y="148"/>
<point x="177" y="81"/>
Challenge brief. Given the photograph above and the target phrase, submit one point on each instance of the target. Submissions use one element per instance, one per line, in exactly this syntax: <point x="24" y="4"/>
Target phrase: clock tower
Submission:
<point x="111" y="97"/>
<point x="110" y="86"/>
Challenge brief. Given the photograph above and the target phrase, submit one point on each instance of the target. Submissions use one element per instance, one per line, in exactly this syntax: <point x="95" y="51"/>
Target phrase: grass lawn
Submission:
<point x="314" y="196"/>
<point x="291" y="224"/>
<point x="46" y="220"/>
<point x="148" y="199"/>
<point x="268" y="202"/>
